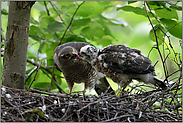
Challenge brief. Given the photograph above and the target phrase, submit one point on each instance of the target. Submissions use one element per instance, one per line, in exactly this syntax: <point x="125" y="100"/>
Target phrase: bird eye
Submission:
<point x="83" y="53"/>
<point x="67" y="56"/>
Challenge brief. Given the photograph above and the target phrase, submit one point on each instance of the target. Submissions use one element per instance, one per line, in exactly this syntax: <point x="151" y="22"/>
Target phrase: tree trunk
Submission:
<point x="15" y="54"/>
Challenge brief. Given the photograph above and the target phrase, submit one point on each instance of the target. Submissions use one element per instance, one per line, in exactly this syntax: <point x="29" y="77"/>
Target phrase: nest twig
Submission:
<point x="35" y="105"/>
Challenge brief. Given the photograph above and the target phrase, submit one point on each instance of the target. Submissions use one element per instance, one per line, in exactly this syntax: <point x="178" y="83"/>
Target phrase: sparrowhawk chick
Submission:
<point x="122" y="64"/>
<point x="76" y="70"/>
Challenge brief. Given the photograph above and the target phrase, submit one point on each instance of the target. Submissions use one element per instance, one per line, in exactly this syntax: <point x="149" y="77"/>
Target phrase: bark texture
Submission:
<point x="15" y="55"/>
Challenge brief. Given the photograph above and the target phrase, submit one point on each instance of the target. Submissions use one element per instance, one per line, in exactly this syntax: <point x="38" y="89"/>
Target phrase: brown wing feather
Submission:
<point x="122" y="59"/>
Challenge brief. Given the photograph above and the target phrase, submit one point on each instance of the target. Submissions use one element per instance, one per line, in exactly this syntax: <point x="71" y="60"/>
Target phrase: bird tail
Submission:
<point x="160" y="83"/>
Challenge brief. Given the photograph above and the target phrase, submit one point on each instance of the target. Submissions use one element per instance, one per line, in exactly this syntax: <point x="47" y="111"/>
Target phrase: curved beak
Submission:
<point x="77" y="57"/>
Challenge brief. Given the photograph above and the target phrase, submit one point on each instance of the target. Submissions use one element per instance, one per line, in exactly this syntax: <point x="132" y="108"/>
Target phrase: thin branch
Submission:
<point x="156" y="39"/>
<point x="70" y="22"/>
<point x="55" y="7"/>
<point x="37" y="64"/>
<point x="56" y="83"/>
<point x="150" y="51"/>
<point x="30" y="73"/>
<point x="48" y="93"/>
<point x="34" y="76"/>
<point x="52" y="76"/>
<point x="46" y="8"/>
<point x="173" y="26"/>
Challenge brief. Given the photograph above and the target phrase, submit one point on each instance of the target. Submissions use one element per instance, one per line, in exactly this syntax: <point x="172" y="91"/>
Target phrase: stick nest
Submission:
<point x="38" y="106"/>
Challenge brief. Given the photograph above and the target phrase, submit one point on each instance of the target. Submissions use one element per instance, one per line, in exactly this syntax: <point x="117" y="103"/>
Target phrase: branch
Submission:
<point x="46" y="8"/>
<point x="34" y="76"/>
<point x="70" y="22"/>
<point x="46" y="68"/>
<point x="156" y="39"/>
<point x="37" y="64"/>
<point x="55" y="7"/>
<point x="43" y="68"/>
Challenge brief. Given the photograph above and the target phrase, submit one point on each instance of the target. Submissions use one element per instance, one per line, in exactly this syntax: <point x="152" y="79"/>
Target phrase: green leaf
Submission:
<point x="45" y="21"/>
<point x="87" y="32"/>
<point x="33" y="21"/>
<point x="153" y="7"/>
<point x="104" y="23"/>
<point x="35" y="33"/>
<point x="105" y="40"/>
<point x="159" y="34"/>
<point x="154" y="21"/>
<point x="43" y="14"/>
<point x="38" y="111"/>
<point x="42" y="84"/>
<point x="55" y="26"/>
<point x="92" y="32"/>
<point x="49" y="52"/>
<point x="80" y="22"/>
<point x="136" y="10"/>
<point x="43" y="2"/>
<point x="4" y="12"/>
<point x="35" y="30"/>
<point x="167" y="14"/>
<point x="176" y="7"/>
<point x="73" y="38"/>
<point x="158" y="3"/>
<point x="35" y="37"/>
<point x="89" y="9"/>
<point x="119" y="21"/>
<point x="106" y="30"/>
<point x="98" y="32"/>
<point x="129" y="2"/>
<point x="41" y="47"/>
<point x="174" y="27"/>
<point x="106" y="4"/>
<point x="65" y="3"/>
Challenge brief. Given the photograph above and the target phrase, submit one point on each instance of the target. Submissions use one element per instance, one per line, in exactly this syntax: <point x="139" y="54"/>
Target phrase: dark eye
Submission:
<point x="83" y="53"/>
<point x="67" y="56"/>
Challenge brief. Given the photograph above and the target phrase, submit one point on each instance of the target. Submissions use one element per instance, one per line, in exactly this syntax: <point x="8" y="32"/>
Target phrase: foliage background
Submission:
<point x="100" y="23"/>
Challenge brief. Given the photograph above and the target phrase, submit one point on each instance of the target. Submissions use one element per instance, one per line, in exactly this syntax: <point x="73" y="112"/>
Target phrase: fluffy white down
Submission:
<point x="100" y="57"/>
<point x="99" y="76"/>
<point x="84" y="49"/>
<point x="90" y="51"/>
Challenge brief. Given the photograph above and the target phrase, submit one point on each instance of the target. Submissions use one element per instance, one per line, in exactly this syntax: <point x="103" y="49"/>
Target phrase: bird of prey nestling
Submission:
<point x="76" y="70"/>
<point x="122" y="64"/>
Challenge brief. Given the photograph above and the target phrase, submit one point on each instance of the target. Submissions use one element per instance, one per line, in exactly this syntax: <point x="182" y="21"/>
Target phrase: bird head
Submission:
<point x="88" y="52"/>
<point x="68" y="52"/>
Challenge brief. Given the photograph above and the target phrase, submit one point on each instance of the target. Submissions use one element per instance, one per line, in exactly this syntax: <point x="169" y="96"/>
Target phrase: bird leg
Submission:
<point x="84" y="98"/>
<point x="70" y="85"/>
<point x="70" y="90"/>
<point x="84" y="90"/>
<point x="118" y="91"/>
<point x="122" y="85"/>
<point x="119" y="88"/>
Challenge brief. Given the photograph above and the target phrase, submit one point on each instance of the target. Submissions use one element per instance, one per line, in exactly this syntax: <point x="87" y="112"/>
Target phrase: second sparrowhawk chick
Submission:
<point x="122" y="64"/>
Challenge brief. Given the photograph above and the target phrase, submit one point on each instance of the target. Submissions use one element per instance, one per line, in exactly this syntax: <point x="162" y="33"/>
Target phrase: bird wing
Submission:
<point x="122" y="59"/>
